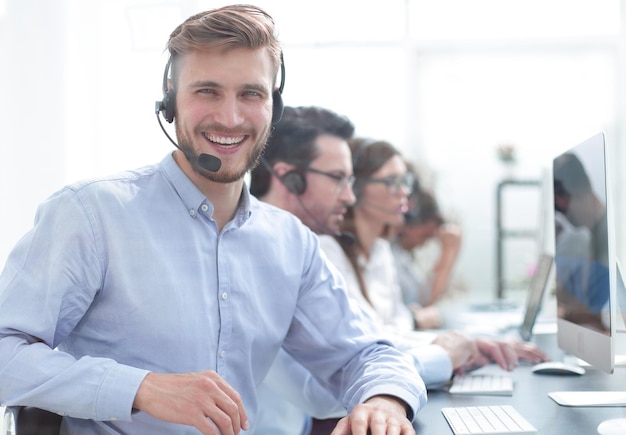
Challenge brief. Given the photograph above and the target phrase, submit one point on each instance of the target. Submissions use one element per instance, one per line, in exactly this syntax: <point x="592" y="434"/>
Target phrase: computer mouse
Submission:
<point x="614" y="426"/>
<point x="557" y="368"/>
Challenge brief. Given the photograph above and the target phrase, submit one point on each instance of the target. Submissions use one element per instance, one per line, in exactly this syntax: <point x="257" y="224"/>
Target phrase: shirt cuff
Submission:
<point x="118" y="391"/>
<point x="433" y="364"/>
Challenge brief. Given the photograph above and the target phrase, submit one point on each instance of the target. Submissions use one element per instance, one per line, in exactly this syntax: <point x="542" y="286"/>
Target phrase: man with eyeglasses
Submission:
<point x="307" y="169"/>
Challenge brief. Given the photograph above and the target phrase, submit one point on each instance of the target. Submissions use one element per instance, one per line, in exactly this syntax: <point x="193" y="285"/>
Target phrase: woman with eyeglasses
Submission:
<point x="381" y="187"/>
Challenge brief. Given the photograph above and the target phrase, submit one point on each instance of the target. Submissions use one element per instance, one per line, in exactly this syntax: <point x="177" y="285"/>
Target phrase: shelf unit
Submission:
<point x="503" y="233"/>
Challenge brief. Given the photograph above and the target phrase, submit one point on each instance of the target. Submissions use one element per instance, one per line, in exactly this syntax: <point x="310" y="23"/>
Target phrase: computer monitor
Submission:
<point x="584" y="245"/>
<point x="587" y="270"/>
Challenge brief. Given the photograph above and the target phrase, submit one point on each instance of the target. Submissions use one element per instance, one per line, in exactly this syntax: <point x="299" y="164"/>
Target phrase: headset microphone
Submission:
<point x="209" y="162"/>
<point x="205" y="161"/>
<point x="346" y="238"/>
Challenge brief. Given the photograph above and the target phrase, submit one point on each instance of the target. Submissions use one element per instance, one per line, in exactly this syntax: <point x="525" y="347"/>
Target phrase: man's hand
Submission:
<point x="462" y="350"/>
<point x="499" y="352"/>
<point x="203" y="400"/>
<point x="468" y="354"/>
<point x="528" y="351"/>
<point x="379" y="415"/>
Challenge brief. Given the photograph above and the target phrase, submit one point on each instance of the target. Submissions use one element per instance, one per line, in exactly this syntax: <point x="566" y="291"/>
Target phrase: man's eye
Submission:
<point x="206" y="91"/>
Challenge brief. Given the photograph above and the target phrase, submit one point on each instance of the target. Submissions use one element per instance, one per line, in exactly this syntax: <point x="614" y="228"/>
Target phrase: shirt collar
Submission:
<point x="193" y="198"/>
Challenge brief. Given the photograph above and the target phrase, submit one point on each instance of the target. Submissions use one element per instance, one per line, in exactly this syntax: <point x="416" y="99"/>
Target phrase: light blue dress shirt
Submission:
<point x="129" y="274"/>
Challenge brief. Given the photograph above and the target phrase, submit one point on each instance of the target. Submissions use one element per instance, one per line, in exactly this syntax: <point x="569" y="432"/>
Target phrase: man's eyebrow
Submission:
<point x="256" y="87"/>
<point x="204" y="84"/>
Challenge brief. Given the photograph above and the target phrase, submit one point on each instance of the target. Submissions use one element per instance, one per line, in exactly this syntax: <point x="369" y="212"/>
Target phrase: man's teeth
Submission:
<point x="226" y="140"/>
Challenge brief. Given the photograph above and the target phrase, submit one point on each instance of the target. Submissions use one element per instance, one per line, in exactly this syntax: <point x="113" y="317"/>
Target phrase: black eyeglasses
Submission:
<point x="343" y="181"/>
<point x="394" y="184"/>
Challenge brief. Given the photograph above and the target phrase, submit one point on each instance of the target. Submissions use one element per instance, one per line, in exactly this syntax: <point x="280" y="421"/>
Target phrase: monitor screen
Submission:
<point x="585" y="253"/>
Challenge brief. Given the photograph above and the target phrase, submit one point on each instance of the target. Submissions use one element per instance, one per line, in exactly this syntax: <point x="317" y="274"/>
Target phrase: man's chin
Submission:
<point x="223" y="177"/>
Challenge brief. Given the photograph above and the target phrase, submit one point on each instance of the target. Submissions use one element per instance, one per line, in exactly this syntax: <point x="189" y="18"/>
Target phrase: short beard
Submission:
<point x="222" y="175"/>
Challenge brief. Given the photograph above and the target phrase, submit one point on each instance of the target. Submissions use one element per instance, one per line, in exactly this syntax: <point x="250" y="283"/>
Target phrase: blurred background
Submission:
<point x="479" y="94"/>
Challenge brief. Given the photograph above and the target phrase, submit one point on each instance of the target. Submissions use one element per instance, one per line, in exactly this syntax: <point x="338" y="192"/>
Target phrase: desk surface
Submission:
<point x="530" y="398"/>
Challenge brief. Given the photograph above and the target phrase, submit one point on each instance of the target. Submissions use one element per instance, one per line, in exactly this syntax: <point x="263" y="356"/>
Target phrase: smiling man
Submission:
<point x="155" y="301"/>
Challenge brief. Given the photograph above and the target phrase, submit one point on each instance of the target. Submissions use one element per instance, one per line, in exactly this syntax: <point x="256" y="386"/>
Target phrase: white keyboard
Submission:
<point x="488" y="384"/>
<point x="494" y="419"/>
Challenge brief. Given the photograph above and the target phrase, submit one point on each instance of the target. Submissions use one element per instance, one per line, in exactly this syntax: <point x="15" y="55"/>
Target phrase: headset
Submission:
<point x="167" y="106"/>
<point x="293" y="180"/>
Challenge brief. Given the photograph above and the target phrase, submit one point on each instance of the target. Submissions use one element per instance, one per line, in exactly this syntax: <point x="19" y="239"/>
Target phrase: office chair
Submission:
<point x="27" y="420"/>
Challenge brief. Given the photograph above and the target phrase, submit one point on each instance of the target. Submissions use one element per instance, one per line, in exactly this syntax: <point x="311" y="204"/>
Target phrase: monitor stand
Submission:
<point x="603" y="398"/>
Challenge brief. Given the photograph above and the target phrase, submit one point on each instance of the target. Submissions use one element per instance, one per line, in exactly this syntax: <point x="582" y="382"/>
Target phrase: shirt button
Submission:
<point x="204" y="207"/>
<point x="222" y="353"/>
<point x="224" y="295"/>
<point x="192" y="212"/>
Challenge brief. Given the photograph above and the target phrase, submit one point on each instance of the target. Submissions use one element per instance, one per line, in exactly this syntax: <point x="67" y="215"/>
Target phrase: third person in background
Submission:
<point x="424" y="223"/>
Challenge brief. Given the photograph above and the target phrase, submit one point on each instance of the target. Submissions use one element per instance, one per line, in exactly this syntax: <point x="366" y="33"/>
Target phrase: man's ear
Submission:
<point x="281" y="168"/>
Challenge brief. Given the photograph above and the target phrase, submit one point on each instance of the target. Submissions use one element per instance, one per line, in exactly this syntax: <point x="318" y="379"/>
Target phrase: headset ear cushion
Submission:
<point x="295" y="182"/>
<point x="169" y="105"/>
<point x="277" y="106"/>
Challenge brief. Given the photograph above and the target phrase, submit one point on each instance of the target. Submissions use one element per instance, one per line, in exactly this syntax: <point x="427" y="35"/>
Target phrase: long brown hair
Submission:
<point x="368" y="156"/>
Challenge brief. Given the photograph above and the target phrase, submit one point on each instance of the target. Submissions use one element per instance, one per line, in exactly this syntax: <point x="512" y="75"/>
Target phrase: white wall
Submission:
<point x="32" y="158"/>
<point x="80" y="88"/>
<point x="81" y="77"/>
